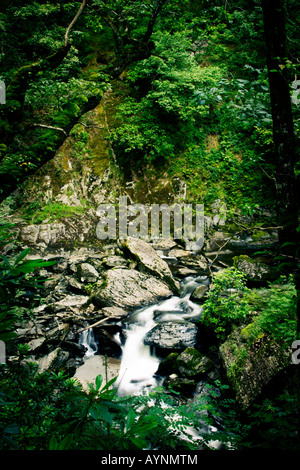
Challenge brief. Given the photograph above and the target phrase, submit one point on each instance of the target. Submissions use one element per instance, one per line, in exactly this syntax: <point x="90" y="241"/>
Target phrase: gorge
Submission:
<point x="149" y="246"/>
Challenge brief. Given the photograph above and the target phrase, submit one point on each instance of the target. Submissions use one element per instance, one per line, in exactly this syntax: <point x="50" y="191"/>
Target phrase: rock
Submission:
<point x="29" y="234"/>
<point x="215" y="241"/>
<point x="71" y="301"/>
<point x="149" y="261"/>
<point x="253" y="269"/>
<point x="167" y="364"/>
<point x="53" y="360"/>
<point x="172" y="335"/>
<point x="183" y="272"/>
<point x="199" y="292"/>
<point x="164" y="244"/>
<point x="129" y="289"/>
<point x="58" y="332"/>
<point x="178" y="253"/>
<point x="191" y="363"/>
<point x="115" y="261"/>
<point x="97" y="365"/>
<point x="87" y="273"/>
<point x="115" y="313"/>
<point x="43" y="235"/>
<point x="250" y="373"/>
<point x="180" y="384"/>
<point x="107" y="344"/>
<point x="35" y="344"/>
<point x="75" y="286"/>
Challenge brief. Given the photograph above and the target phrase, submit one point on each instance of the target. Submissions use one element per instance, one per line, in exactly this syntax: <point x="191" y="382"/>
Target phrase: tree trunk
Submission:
<point x="283" y="132"/>
<point x="285" y="146"/>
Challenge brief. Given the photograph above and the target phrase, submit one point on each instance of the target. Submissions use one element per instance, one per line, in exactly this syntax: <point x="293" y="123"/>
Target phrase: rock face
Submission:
<point x="172" y="335"/>
<point x="149" y="261"/>
<point x="129" y="289"/>
<point x="249" y="375"/>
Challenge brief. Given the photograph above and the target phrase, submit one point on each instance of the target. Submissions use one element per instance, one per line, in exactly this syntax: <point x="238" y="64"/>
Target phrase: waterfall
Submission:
<point x="139" y="362"/>
<point x="87" y="339"/>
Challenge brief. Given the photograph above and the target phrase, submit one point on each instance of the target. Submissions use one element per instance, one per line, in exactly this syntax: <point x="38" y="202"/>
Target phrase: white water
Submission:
<point x="87" y="339"/>
<point x="139" y="363"/>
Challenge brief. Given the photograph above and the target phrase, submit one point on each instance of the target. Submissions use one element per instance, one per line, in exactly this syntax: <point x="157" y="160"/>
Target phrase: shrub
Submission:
<point x="225" y="306"/>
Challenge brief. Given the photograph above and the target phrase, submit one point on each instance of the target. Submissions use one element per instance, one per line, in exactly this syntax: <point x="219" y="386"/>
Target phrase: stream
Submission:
<point x="139" y="361"/>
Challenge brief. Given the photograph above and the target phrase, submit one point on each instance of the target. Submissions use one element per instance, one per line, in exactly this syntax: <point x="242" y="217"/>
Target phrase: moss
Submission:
<point x="238" y="259"/>
<point x="54" y="212"/>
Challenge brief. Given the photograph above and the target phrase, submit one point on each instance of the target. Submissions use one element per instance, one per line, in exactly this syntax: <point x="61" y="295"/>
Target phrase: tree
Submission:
<point x="127" y="26"/>
<point x="285" y="144"/>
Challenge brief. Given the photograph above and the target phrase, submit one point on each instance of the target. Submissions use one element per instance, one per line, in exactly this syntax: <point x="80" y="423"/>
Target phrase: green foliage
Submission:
<point x="155" y="121"/>
<point x="278" y="323"/>
<point x="177" y="105"/>
<point x="226" y="305"/>
<point x="53" y="412"/>
<point x="54" y="212"/>
<point x="274" y="422"/>
<point x="18" y="287"/>
<point x="31" y="405"/>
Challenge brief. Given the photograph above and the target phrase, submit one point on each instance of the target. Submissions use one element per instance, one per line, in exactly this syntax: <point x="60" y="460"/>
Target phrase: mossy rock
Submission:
<point x="251" y="365"/>
<point x="167" y="365"/>
<point x="191" y="363"/>
<point x="254" y="270"/>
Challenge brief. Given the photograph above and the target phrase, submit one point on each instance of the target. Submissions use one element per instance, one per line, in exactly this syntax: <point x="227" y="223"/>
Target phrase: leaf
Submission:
<point x="99" y="411"/>
<point x="129" y="420"/>
<point x="109" y="383"/>
<point x="22" y="255"/>
<point x="30" y="266"/>
<point x="98" y="382"/>
<point x="6" y="261"/>
<point x="139" y="442"/>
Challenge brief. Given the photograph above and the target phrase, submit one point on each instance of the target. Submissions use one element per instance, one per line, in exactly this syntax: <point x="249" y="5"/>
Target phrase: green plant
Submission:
<point x="19" y="285"/>
<point x="226" y="305"/>
<point x="278" y="323"/>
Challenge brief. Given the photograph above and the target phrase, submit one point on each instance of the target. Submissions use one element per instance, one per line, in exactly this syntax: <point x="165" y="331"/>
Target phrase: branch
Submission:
<point x="51" y="127"/>
<point x="157" y="9"/>
<point x="74" y="21"/>
<point x="249" y="229"/>
<point x="94" y="324"/>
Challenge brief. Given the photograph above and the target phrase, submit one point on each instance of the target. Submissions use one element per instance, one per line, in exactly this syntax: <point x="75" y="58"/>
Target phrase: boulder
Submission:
<point x="115" y="313"/>
<point x="175" y="335"/>
<point x="108" y="367"/>
<point x="149" y="261"/>
<point x="249" y="373"/>
<point x="164" y="244"/>
<point x="87" y="273"/>
<point x="254" y="270"/>
<point x="129" y="289"/>
<point x="191" y="363"/>
<point x="107" y="344"/>
<point x="52" y="361"/>
<point x="199" y="292"/>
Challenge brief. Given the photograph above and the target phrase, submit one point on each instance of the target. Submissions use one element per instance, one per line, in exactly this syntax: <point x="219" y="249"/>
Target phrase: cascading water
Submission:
<point x="139" y="362"/>
<point x="87" y="339"/>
